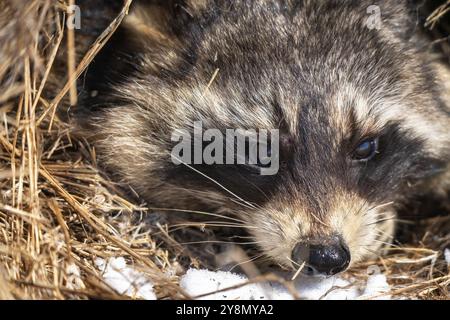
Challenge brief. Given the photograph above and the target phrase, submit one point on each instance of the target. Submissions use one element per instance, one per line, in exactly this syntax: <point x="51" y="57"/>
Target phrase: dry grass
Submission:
<point x="57" y="210"/>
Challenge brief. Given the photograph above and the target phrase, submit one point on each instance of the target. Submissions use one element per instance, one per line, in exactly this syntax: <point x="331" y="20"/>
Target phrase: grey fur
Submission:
<point x="311" y="68"/>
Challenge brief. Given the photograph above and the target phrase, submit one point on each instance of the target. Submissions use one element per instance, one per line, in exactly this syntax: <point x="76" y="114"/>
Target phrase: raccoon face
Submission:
<point x="360" y="122"/>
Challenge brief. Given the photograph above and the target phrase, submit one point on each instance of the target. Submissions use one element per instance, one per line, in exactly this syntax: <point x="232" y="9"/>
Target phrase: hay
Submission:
<point x="59" y="212"/>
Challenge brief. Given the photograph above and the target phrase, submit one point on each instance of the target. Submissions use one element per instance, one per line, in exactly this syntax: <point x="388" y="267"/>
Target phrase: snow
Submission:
<point x="200" y="282"/>
<point x="74" y="277"/>
<point x="377" y="287"/>
<point x="124" y="279"/>
<point x="447" y="255"/>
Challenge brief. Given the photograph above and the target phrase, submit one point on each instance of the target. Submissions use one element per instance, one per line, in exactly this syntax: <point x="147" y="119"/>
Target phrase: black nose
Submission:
<point x="326" y="256"/>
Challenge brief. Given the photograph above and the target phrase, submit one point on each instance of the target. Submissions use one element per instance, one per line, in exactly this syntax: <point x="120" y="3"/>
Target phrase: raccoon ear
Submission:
<point x="400" y="17"/>
<point x="193" y="8"/>
<point x="144" y="44"/>
<point x="149" y="23"/>
<point x="160" y="20"/>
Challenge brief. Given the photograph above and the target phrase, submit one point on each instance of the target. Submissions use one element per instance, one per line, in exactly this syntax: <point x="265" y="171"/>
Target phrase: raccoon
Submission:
<point x="363" y="119"/>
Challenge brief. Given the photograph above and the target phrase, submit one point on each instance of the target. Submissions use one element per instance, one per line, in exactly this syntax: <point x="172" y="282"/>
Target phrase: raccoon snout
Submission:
<point x="325" y="256"/>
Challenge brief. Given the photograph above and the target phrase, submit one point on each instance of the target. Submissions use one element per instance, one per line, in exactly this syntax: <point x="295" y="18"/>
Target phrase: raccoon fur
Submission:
<point x="362" y="112"/>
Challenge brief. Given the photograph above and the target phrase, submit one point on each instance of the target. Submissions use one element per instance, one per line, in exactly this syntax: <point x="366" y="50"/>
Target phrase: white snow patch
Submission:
<point x="73" y="277"/>
<point x="447" y="255"/>
<point x="377" y="288"/>
<point x="124" y="279"/>
<point x="200" y="282"/>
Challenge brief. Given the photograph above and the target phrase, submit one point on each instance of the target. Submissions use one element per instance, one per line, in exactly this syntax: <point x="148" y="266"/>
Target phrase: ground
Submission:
<point x="69" y="231"/>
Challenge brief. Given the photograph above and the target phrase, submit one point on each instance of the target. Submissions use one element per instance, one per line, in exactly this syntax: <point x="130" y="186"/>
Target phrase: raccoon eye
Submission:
<point x="366" y="150"/>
